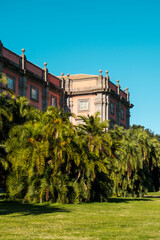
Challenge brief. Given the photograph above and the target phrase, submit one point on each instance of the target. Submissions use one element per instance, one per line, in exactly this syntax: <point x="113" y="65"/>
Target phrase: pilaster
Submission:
<point x="45" y="97"/>
<point x="127" y="111"/>
<point x="128" y="117"/>
<point x="67" y="83"/>
<point x="104" y="107"/>
<point x="118" y="113"/>
<point x="65" y="99"/>
<point x="69" y="104"/>
<point x="23" y="78"/>
<point x="62" y="97"/>
<point x="99" y="104"/>
<point x="23" y="85"/>
<point x="107" y="106"/>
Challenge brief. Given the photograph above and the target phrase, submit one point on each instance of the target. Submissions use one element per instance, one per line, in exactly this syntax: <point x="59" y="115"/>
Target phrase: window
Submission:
<point x="112" y="108"/>
<point x="122" y="114"/>
<point x="11" y="83"/>
<point x="53" y="101"/>
<point x="83" y="105"/>
<point x="34" y="94"/>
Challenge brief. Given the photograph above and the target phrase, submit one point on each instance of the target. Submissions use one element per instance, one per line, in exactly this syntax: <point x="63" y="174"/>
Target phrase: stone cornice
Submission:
<point x="103" y="91"/>
<point x="11" y="65"/>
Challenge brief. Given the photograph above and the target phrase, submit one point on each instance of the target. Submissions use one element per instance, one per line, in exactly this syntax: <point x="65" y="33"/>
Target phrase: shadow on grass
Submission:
<point x="10" y="207"/>
<point x="151" y="196"/>
<point x="127" y="200"/>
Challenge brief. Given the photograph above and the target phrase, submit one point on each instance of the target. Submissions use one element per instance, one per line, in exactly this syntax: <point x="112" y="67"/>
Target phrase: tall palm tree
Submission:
<point x="97" y="145"/>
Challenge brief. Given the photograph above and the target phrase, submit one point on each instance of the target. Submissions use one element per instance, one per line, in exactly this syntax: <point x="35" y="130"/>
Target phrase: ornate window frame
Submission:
<point x="36" y="99"/>
<point x="80" y="101"/>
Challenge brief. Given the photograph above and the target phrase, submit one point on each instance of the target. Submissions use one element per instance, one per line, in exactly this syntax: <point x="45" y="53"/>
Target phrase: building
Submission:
<point x="86" y="94"/>
<point x="26" y="79"/>
<point x="81" y="94"/>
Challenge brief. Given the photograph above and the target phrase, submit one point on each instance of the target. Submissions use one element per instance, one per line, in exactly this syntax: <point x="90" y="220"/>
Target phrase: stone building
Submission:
<point x="26" y="79"/>
<point x="81" y="94"/>
<point x="86" y="94"/>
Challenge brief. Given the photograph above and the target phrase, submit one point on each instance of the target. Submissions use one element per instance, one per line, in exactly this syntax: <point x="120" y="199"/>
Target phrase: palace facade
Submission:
<point x="86" y="94"/>
<point x="81" y="94"/>
<point x="26" y="79"/>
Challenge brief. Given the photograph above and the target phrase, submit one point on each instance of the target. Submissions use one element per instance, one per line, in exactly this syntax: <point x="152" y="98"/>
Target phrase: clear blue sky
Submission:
<point x="122" y="36"/>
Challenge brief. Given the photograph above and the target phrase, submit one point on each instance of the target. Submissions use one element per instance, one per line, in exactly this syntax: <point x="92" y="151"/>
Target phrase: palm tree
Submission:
<point x="133" y="159"/>
<point x="97" y="145"/>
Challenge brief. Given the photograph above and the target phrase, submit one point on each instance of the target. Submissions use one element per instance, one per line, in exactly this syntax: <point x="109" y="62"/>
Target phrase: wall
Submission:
<point x="32" y="102"/>
<point x="123" y="122"/>
<point x="84" y="84"/>
<point x="115" y="110"/>
<point x="91" y="110"/>
<point x="27" y="74"/>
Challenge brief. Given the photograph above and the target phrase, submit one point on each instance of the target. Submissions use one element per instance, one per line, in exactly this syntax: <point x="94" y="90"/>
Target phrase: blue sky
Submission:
<point x="85" y="36"/>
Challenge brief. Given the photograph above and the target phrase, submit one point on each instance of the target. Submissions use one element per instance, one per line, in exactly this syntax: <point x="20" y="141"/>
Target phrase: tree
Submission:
<point x="97" y="145"/>
<point x="134" y="159"/>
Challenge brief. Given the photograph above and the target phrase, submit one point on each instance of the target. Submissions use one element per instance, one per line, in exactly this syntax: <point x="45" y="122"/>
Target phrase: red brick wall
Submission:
<point x="112" y="86"/>
<point x="115" y="110"/>
<point x="33" y="68"/>
<point x="53" y="80"/>
<point x="123" y="94"/>
<point x="10" y="55"/>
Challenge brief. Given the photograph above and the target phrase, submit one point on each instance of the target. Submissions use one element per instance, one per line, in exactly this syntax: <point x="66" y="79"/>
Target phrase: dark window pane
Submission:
<point x="53" y="101"/>
<point x="10" y="84"/>
<point x="112" y="107"/>
<point x="122" y="114"/>
<point x="34" y="93"/>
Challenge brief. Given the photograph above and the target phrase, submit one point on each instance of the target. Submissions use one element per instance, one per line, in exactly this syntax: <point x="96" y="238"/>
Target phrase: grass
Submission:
<point x="119" y="219"/>
<point x="154" y="194"/>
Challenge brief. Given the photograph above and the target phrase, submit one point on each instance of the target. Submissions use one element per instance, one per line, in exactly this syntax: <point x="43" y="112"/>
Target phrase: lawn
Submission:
<point x="119" y="219"/>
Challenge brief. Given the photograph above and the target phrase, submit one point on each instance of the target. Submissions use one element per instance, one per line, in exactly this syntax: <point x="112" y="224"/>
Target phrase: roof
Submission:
<point x="79" y="76"/>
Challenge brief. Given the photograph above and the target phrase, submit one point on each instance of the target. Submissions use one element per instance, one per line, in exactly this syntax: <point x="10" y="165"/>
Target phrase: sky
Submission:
<point x="84" y="36"/>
